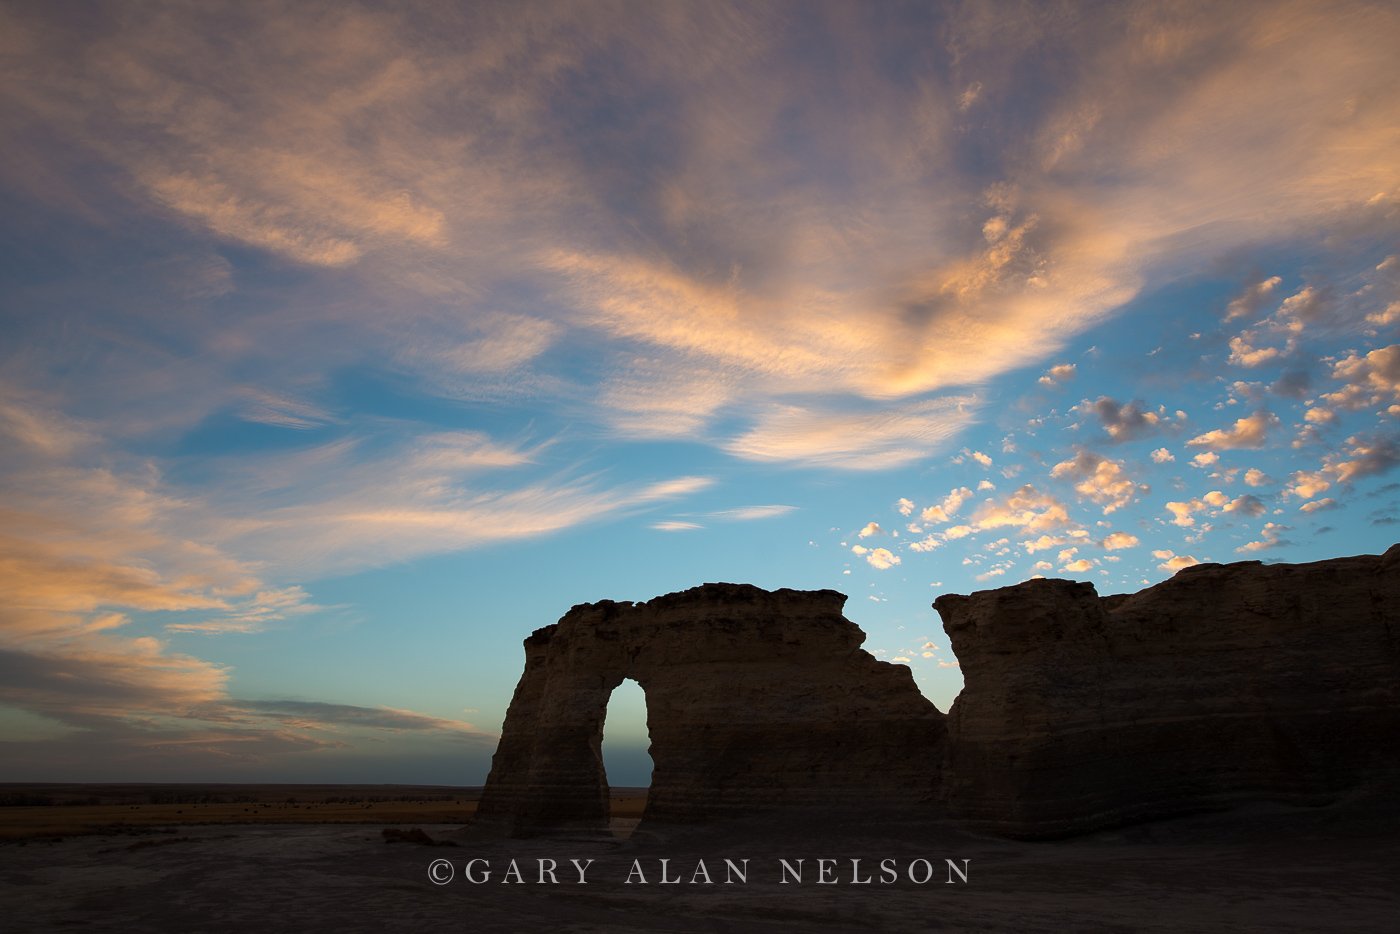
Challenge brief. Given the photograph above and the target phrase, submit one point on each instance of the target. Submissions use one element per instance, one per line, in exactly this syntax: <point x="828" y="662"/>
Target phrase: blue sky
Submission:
<point x="346" y="344"/>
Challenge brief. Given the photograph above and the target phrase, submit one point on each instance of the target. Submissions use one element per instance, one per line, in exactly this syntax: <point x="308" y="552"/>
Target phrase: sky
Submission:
<point x="342" y="345"/>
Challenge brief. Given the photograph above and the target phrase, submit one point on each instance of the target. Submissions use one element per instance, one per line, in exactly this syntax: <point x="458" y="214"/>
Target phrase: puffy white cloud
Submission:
<point x="1206" y="459"/>
<point x="945" y="511"/>
<point x="981" y="458"/>
<point x="928" y="543"/>
<point x="1242" y="353"/>
<point x="1249" y="432"/>
<point x="1255" y="477"/>
<point x="1182" y="511"/>
<point x="1319" y="505"/>
<point x="1027" y="509"/>
<point x="1054" y="541"/>
<point x="1162" y="456"/>
<point x="1101" y="480"/>
<point x="904" y="506"/>
<point x="1368" y="379"/>
<point x="1368" y="456"/>
<point x="1307" y="484"/>
<point x="871" y="528"/>
<point x="1270" y="537"/>
<point x="1320" y="416"/>
<point x="1058" y="374"/>
<point x="1079" y="567"/>
<point x="1116" y="540"/>
<point x="882" y="558"/>
<point x="1173" y="562"/>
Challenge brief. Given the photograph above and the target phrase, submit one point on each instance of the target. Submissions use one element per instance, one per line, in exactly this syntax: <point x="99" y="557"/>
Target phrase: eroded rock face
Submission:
<point x="755" y="700"/>
<point x="1223" y="684"/>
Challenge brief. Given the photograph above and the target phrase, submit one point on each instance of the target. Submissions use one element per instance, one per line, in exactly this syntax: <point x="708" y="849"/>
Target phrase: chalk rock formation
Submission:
<point x="755" y="700"/>
<point x="1225" y="683"/>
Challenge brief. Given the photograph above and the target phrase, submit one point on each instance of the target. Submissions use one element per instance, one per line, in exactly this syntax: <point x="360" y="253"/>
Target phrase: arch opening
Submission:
<point x="627" y="763"/>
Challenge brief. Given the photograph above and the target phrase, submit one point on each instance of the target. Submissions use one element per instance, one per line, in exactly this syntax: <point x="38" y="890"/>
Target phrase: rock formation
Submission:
<point x="1222" y="684"/>
<point x="755" y="700"/>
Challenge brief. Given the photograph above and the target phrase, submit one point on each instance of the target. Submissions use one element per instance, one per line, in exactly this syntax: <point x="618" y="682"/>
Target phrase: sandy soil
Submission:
<point x="1265" y="869"/>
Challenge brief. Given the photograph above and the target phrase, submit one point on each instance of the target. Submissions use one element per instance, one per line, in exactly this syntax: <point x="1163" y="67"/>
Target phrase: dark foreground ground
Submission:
<point x="1260" y="869"/>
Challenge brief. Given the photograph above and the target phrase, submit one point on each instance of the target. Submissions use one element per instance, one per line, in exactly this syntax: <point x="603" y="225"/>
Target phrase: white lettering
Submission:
<point x="486" y="877"/>
<point x="700" y="870"/>
<point x="552" y="866"/>
<point x="927" y="875"/>
<point x="733" y="870"/>
<point x="513" y="869"/>
<point x="822" y="870"/>
<point x="894" y="875"/>
<point x="581" y="870"/>
<point x="952" y="868"/>
<point x="796" y="873"/>
<point x="636" y="871"/>
<point x="664" y="880"/>
<point x="855" y="874"/>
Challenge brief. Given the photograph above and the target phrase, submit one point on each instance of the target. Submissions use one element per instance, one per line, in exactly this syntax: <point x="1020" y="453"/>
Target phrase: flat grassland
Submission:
<point x="36" y="811"/>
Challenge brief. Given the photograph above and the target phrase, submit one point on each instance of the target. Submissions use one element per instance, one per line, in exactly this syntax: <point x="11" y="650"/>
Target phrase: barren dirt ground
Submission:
<point x="1264" y="869"/>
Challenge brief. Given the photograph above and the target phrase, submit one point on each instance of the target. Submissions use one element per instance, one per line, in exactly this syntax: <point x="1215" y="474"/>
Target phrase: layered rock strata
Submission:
<point x="755" y="700"/>
<point x="1225" y="683"/>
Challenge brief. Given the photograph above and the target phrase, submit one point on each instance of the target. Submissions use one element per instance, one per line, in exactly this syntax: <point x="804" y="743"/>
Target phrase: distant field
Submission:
<point x="38" y="811"/>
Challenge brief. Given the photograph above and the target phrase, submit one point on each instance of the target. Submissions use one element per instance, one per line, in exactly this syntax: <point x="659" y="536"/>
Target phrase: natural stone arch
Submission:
<point x="755" y="700"/>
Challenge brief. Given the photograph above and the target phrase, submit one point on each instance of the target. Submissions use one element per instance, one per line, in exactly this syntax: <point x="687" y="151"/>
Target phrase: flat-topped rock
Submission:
<point x="755" y="700"/>
<point x="1223" y="684"/>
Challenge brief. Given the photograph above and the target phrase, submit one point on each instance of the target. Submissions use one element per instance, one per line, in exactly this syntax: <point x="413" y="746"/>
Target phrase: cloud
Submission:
<point x="1079" y="567"/>
<point x="882" y="558"/>
<point x="1368" y="455"/>
<point x="1054" y="541"/>
<point x="1368" y="379"/>
<point x="1256" y="477"/>
<point x="675" y="526"/>
<point x="1270" y="537"/>
<point x="872" y="528"/>
<point x="882" y="440"/>
<point x="748" y="513"/>
<point x="1205" y="459"/>
<point x="1162" y="456"/>
<point x="944" y="511"/>
<point x="1027" y="509"/>
<point x="1063" y="373"/>
<point x="905" y="506"/>
<point x="1246" y="505"/>
<point x="1172" y="562"/>
<point x="1123" y="422"/>
<point x="1100" y="479"/>
<point x="1117" y="540"/>
<point x="1319" y="505"/>
<point x="1252" y="298"/>
<point x="1248" y="432"/>
<point x="1242" y="353"/>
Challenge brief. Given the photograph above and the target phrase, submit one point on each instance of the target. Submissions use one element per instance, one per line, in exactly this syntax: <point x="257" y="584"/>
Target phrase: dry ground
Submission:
<point x="1261" y="869"/>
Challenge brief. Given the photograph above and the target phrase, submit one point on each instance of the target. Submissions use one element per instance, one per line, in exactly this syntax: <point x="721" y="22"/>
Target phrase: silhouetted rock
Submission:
<point x="1223" y="684"/>
<point x="755" y="700"/>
